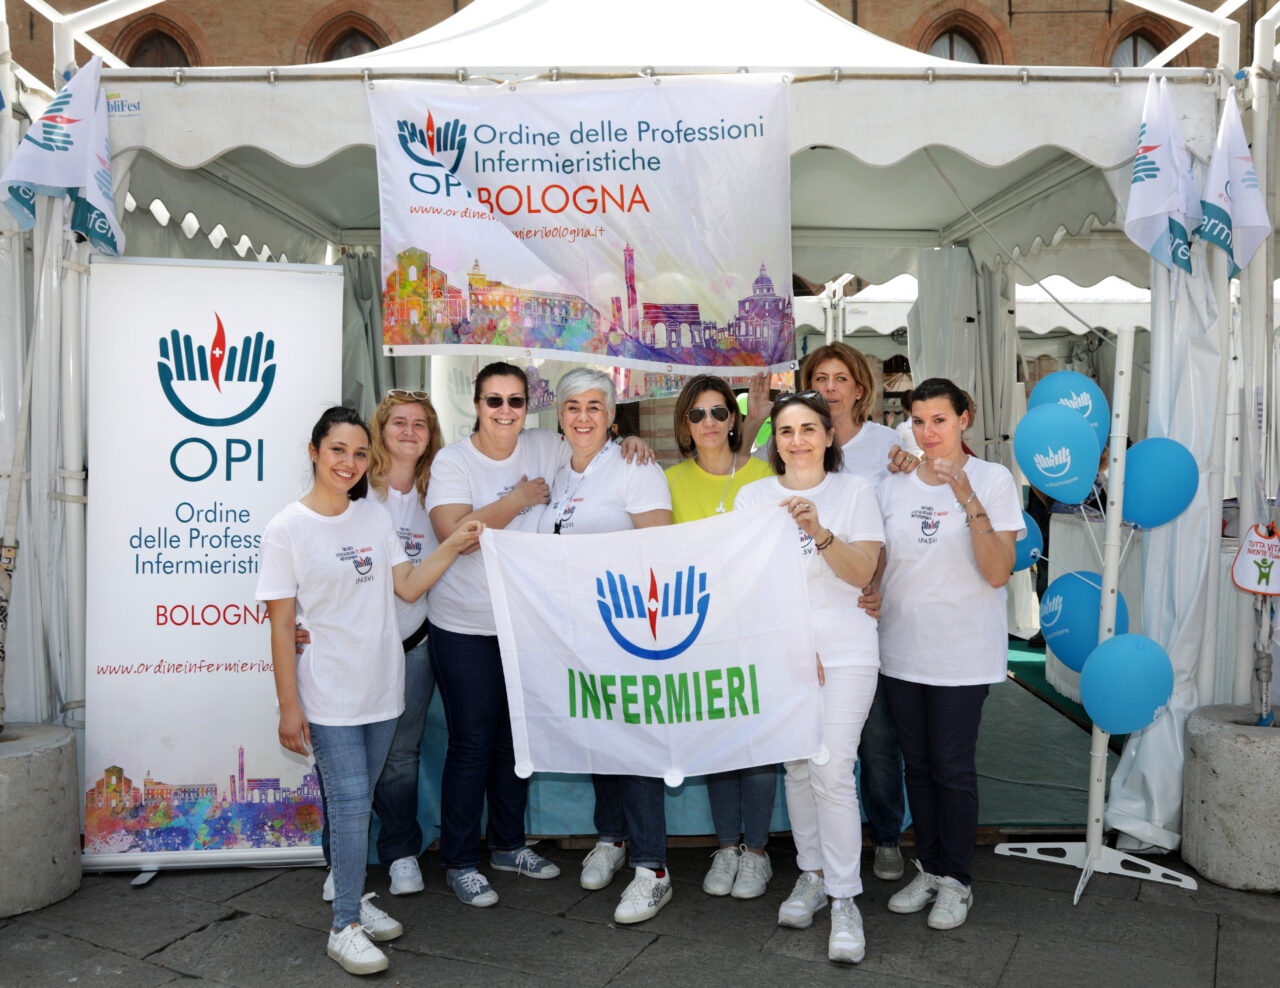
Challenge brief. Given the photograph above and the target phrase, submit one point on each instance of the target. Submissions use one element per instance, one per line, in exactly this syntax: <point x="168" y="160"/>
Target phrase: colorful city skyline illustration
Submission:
<point x="420" y="306"/>
<point x="249" y="813"/>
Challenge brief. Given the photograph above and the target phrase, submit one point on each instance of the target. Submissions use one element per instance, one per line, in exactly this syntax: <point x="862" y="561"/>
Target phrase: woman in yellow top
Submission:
<point x="710" y="433"/>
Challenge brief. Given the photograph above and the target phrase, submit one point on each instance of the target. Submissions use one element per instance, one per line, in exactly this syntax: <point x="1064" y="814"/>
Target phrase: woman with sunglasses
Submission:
<point x="843" y="377"/>
<point x="840" y="539"/>
<point x="709" y="431"/>
<point x="498" y="475"/>
<point x="334" y="556"/>
<point x="598" y="491"/>
<point x="950" y="531"/>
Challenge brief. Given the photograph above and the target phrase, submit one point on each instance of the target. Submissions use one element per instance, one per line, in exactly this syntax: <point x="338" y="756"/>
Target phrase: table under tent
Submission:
<point x="901" y="163"/>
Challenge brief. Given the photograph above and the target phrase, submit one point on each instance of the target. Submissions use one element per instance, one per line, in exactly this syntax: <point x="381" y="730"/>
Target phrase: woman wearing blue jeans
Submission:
<point x="334" y="558"/>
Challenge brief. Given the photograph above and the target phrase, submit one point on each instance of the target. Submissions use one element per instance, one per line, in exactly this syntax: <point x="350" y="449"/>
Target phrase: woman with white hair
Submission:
<point x="598" y="491"/>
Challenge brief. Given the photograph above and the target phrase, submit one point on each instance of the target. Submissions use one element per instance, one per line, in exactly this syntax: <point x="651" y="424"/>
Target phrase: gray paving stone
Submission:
<point x="1246" y="952"/>
<point x="36" y="956"/>
<point x="903" y="947"/>
<point x="293" y="896"/>
<point x="1263" y="906"/>
<point x="1057" y="962"/>
<point x="109" y="912"/>
<point x="215" y="884"/>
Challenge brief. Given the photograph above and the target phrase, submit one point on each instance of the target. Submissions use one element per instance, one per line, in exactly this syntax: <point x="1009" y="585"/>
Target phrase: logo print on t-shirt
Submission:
<point x="412" y="542"/>
<point x="929" y="523"/>
<point x="363" y="563"/>
<point x="930" y="526"/>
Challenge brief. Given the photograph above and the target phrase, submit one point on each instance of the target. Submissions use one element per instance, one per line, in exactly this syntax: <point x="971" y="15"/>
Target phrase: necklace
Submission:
<point x="720" y="509"/>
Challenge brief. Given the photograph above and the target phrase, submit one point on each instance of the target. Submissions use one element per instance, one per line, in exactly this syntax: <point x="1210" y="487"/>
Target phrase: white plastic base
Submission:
<point x="1106" y="860"/>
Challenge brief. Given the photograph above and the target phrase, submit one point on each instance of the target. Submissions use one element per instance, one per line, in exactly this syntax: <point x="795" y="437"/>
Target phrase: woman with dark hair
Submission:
<point x="498" y="475"/>
<point x="950" y="530"/>
<point x="598" y="491"/>
<point x="333" y="557"/>
<point x="840" y="539"/>
<point x="709" y="430"/>
<point x="843" y="377"/>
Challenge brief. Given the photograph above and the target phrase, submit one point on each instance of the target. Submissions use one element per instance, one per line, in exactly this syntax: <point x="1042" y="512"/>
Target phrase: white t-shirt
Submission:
<point x="604" y="496"/>
<point x="338" y="569"/>
<point x="418" y="539"/>
<point x="867" y="453"/>
<point x="843" y="632"/>
<point x="941" y="622"/>
<point x="461" y="474"/>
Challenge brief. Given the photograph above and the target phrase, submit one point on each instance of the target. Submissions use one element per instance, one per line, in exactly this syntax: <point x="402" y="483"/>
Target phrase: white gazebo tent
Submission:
<point x="893" y="151"/>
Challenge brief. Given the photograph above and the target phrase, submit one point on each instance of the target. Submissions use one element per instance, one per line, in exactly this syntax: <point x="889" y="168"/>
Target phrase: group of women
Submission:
<point x="925" y="550"/>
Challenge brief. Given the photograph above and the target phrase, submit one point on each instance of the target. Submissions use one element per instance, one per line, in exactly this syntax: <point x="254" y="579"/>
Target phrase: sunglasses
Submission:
<point x="497" y="401"/>
<point x="410" y="395"/>
<point x="718" y="412"/>
<point x="787" y="396"/>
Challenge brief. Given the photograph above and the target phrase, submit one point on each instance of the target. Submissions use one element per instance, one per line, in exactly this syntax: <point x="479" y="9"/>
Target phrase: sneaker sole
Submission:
<point x="749" y="893"/>
<point x="596" y="886"/>
<point x="717" y="892"/>
<point x="406" y="889"/>
<point x="359" y="967"/>
<point x="382" y="936"/>
<point x="943" y="925"/>
<point x="544" y="874"/>
<point x="888" y="876"/>
<point x="799" y="922"/>
<point x="847" y="957"/>
<point x="648" y="914"/>
<point x="907" y="910"/>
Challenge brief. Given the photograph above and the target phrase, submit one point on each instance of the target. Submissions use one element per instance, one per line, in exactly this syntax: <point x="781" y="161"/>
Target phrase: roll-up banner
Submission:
<point x="204" y="380"/>
<point x="642" y="224"/>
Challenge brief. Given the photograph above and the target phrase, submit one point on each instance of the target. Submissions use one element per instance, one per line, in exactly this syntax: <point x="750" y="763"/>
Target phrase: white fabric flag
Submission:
<point x="1188" y="187"/>
<point x="1155" y="218"/>
<point x="1235" y="212"/>
<point x="663" y="652"/>
<point x="66" y="152"/>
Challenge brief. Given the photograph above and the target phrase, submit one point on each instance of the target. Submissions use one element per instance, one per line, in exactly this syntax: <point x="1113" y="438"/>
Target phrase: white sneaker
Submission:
<point x="919" y="892"/>
<point x="406" y="877"/>
<point x="887" y="865"/>
<point x="805" y="899"/>
<point x="847" y="943"/>
<point x="377" y="924"/>
<point x="599" y="866"/>
<point x="723" y="871"/>
<point x="353" y="951"/>
<point x="642" y="899"/>
<point x="754" y="872"/>
<point x="951" y="908"/>
<point x="328" y="893"/>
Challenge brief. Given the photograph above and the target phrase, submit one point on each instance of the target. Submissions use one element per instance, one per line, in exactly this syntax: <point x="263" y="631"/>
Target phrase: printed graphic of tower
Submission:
<point x="629" y="259"/>
<point x="242" y="773"/>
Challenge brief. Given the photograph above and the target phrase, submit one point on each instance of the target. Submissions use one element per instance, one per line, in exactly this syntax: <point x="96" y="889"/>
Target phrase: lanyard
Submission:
<point x="567" y="507"/>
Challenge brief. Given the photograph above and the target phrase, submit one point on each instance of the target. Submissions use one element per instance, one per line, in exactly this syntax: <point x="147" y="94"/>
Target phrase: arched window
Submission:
<point x="345" y="36"/>
<point x="157" y="42"/>
<point x="956" y="46"/>
<point x="1134" y="50"/>
<point x="353" y="42"/>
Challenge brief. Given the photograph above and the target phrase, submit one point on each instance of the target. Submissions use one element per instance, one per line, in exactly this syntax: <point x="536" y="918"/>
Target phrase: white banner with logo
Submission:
<point x="205" y="379"/>
<point x="665" y="652"/>
<point x="639" y="223"/>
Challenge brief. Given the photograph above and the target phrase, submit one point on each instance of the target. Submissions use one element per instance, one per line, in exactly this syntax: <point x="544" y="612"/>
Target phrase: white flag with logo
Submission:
<point x="663" y="652"/>
<point x="1235" y="212"/>
<point x="1155" y="218"/>
<point x="66" y="153"/>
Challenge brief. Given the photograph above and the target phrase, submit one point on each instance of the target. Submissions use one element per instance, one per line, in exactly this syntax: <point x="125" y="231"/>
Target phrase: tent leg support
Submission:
<point x="1106" y="861"/>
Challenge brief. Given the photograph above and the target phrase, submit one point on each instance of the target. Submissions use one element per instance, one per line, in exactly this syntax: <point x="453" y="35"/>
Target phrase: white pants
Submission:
<point x="822" y="800"/>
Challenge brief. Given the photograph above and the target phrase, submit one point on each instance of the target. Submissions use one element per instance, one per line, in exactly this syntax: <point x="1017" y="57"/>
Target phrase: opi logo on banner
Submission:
<point x="1054" y="463"/>
<point x="216" y="386"/>
<point x="1145" y="167"/>
<point x="657" y="623"/>
<point x="53" y="133"/>
<point x="422" y="144"/>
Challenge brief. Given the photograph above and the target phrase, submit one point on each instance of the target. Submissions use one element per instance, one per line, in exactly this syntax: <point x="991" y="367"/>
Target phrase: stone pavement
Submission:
<point x="250" y="927"/>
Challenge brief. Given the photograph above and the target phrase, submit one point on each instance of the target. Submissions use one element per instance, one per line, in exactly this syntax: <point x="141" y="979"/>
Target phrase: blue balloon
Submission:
<point x="1126" y="683"/>
<point x="1029" y="548"/>
<point x="1077" y="392"/>
<point x="1069" y="612"/>
<point x="1160" y="481"/>
<point x="1056" y="449"/>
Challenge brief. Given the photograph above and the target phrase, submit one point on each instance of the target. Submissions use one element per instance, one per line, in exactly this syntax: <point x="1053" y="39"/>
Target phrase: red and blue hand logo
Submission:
<point x="668" y="611"/>
<point x="183" y="363"/>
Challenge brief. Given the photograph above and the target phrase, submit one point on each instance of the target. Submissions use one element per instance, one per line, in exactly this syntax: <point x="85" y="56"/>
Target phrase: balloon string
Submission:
<point x="1079" y="574"/>
<point x="1124" y="550"/>
<point x="1092" y="538"/>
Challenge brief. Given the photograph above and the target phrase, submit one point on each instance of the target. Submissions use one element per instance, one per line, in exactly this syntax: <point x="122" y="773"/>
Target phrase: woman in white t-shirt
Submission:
<point x="843" y="377"/>
<point x="332" y="558"/>
<point x="840" y="538"/>
<point x="950" y="530"/>
<point x="498" y="475"/>
<point x="598" y="491"/>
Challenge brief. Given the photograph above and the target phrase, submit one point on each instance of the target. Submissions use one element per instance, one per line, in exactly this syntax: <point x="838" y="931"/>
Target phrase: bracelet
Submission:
<point x="831" y="537"/>
<point x="982" y="531"/>
<point x="972" y="495"/>
<point x="973" y="518"/>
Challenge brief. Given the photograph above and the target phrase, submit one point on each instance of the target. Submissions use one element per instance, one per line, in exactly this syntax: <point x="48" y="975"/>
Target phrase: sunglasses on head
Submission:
<point x="497" y="401"/>
<point x="718" y="412"/>
<point x="410" y="395"/>
<point x="787" y="396"/>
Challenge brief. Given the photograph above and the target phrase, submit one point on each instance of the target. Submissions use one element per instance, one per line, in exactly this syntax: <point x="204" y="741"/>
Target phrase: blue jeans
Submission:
<point x="480" y="760"/>
<point x="395" y="799"/>
<point x="938" y="729"/>
<point x="633" y="807"/>
<point x="742" y="803"/>
<point x="880" y="773"/>
<point x="351" y="759"/>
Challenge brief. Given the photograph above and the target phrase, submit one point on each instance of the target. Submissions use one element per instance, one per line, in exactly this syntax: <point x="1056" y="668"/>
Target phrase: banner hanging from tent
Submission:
<point x="205" y="379"/>
<point x="665" y="652"/>
<point x="642" y="224"/>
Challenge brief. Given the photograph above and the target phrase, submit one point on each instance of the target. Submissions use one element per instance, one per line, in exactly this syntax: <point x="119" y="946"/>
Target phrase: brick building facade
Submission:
<point x="250" y="32"/>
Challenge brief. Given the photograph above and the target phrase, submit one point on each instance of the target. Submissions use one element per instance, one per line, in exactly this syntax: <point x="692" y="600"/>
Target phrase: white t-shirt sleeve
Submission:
<point x="276" y="577"/>
<point x="1002" y="503"/>
<point x="647" y="488"/>
<point x="395" y="548"/>
<point x="865" y="520"/>
<point x="450" y="483"/>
